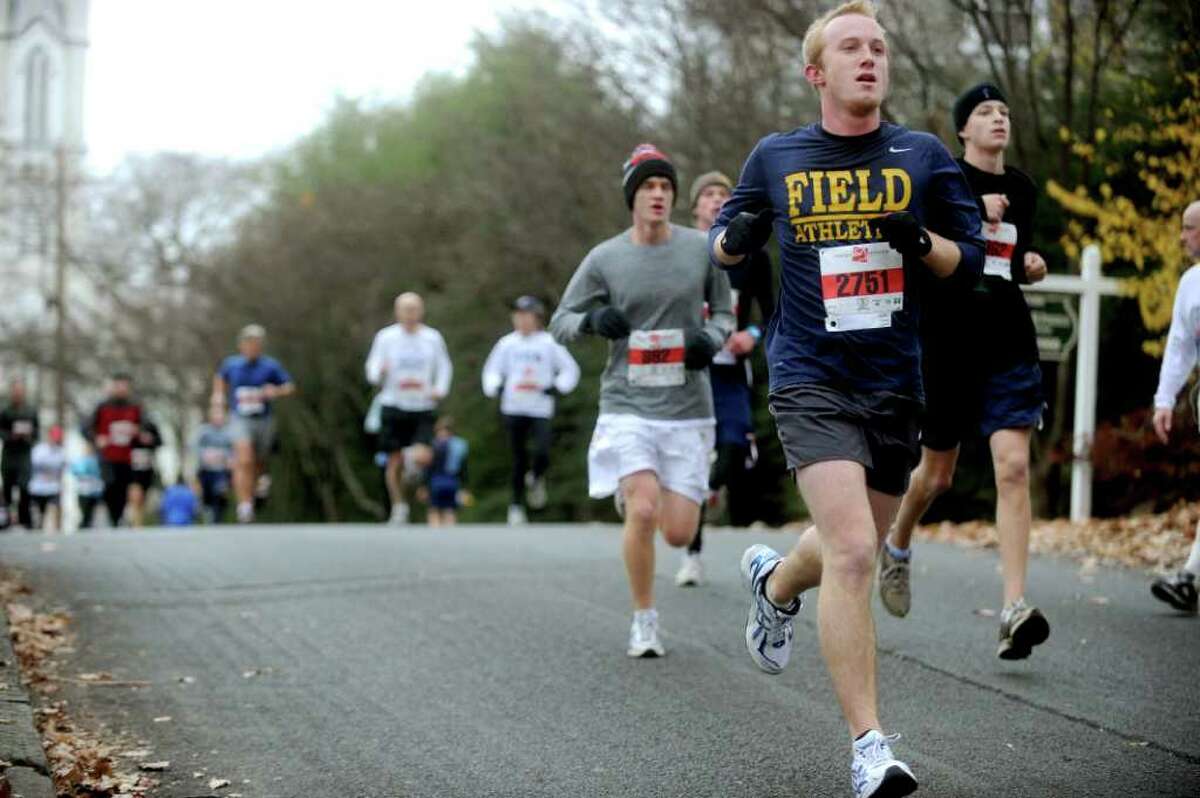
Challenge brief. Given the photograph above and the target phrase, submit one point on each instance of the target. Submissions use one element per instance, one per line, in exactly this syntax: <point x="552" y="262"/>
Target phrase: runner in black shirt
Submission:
<point x="981" y="373"/>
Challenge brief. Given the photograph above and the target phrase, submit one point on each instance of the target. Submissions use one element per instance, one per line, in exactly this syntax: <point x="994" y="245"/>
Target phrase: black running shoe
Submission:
<point x="1179" y="591"/>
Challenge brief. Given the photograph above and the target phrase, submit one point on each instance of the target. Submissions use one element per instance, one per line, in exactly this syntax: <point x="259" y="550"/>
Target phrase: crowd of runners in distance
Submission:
<point x="899" y="331"/>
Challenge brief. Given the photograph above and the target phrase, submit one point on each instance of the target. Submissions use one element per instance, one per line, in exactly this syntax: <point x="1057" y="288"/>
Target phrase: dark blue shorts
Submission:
<point x="443" y="492"/>
<point x="731" y="404"/>
<point x="964" y="399"/>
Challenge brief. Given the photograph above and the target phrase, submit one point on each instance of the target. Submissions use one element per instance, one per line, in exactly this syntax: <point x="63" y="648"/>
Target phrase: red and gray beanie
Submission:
<point x="645" y="161"/>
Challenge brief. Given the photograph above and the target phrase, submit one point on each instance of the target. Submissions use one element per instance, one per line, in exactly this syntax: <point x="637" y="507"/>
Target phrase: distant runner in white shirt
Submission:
<point x="527" y="368"/>
<point x="410" y="364"/>
<point x="45" y="483"/>
<point x="1178" y="361"/>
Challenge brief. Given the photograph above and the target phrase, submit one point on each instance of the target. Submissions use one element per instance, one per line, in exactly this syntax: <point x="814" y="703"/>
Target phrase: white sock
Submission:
<point x="1192" y="565"/>
<point x="650" y="614"/>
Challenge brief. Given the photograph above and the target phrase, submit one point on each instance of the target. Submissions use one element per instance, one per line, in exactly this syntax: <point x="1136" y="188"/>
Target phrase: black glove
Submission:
<point x="698" y="350"/>
<point x="904" y="233"/>
<point x="606" y="321"/>
<point x="551" y="391"/>
<point x="748" y="232"/>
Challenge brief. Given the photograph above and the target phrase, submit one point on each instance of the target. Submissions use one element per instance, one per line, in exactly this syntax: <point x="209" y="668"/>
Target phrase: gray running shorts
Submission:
<point x="259" y="430"/>
<point x="818" y="423"/>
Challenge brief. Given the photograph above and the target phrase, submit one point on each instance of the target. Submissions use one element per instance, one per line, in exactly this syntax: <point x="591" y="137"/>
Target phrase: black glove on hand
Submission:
<point x="608" y="322"/>
<point x="698" y="350"/>
<point x="904" y="233"/>
<point x="748" y="232"/>
<point x="551" y="391"/>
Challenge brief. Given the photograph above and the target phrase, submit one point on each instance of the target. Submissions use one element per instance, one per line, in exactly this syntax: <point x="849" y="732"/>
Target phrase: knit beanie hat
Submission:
<point x="529" y="304"/>
<point x="708" y="179"/>
<point x="645" y="161"/>
<point x="972" y="97"/>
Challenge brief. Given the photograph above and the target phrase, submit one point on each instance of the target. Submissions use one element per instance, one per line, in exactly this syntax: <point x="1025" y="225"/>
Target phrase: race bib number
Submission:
<point x="656" y="358"/>
<point x="725" y="357"/>
<point x="214" y="458"/>
<point x="528" y="383"/>
<point x="862" y="285"/>
<point x="411" y="387"/>
<point x="120" y="433"/>
<point x="1001" y="240"/>
<point x="250" y="400"/>
<point x="23" y="428"/>
<point x="141" y="459"/>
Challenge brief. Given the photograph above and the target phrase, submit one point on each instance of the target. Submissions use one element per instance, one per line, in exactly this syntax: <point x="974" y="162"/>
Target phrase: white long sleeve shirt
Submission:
<point x="413" y="370"/>
<point x="525" y="366"/>
<point x="1182" y="340"/>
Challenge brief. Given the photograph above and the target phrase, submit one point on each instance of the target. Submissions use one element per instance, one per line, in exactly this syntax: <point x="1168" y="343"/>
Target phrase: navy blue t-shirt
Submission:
<point x="852" y="322"/>
<point x="244" y="380"/>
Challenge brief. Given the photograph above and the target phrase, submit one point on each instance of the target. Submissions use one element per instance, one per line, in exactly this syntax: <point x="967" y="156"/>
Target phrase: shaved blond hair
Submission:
<point x="814" y="37"/>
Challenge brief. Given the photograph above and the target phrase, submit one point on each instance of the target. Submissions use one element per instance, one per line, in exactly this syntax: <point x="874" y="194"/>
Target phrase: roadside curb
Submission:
<point x="28" y="774"/>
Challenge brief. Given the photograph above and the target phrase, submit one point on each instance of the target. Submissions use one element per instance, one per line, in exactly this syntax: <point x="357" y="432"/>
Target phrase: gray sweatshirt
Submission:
<point x="659" y="288"/>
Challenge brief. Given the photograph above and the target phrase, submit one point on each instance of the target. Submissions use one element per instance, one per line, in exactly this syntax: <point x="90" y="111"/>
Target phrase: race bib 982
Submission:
<point x="656" y="358"/>
<point x="1001" y="240"/>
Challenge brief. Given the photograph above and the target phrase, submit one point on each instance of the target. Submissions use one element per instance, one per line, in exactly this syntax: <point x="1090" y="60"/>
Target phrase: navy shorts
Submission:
<point x="443" y="492"/>
<point x="964" y="398"/>
<point x="731" y="404"/>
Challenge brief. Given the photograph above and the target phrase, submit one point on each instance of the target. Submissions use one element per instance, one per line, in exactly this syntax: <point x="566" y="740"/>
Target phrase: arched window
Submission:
<point x="37" y="97"/>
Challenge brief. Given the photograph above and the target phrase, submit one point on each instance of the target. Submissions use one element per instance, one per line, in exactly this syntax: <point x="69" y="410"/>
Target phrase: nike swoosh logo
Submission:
<point x="893" y="149"/>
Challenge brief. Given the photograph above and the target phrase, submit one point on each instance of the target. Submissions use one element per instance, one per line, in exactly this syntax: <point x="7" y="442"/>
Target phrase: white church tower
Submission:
<point x="43" y="48"/>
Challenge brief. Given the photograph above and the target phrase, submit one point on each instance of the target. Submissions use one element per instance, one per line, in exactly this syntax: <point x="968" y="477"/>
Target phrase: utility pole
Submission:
<point x="60" y="291"/>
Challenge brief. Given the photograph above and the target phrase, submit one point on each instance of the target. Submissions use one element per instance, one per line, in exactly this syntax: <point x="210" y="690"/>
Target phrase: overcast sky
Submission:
<point x="244" y="77"/>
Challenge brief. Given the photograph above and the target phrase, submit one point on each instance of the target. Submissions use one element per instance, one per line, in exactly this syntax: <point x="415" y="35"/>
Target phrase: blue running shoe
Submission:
<point x="875" y="773"/>
<point x="768" y="628"/>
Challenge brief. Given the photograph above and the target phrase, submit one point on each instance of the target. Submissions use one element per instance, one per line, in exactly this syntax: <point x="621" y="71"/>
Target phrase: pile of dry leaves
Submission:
<point x="1154" y="542"/>
<point x="81" y="764"/>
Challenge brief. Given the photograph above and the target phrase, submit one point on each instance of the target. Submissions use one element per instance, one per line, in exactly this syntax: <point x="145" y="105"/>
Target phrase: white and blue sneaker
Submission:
<point x="768" y="628"/>
<point x="875" y="773"/>
<point x="643" y="635"/>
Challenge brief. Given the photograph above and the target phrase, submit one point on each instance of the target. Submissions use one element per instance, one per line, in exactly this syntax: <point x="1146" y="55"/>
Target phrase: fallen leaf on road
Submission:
<point x="187" y="679"/>
<point x="1139" y="744"/>
<point x="1101" y="600"/>
<point x="217" y="784"/>
<point x="163" y="719"/>
<point x="164" y="765"/>
<point x="96" y="677"/>
<point x="137" y="753"/>
<point x="985" y="612"/>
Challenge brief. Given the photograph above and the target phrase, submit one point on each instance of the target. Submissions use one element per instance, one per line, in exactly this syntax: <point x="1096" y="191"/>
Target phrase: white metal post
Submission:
<point x="1086" y="368"/>
<point x="1089" y="286"/>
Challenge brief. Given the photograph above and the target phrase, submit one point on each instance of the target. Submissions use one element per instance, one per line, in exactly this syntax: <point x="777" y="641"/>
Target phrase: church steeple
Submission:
<point x="42" y="56"/>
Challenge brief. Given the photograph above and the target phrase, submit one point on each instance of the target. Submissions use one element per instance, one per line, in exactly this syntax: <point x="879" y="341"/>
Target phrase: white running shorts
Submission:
<point x="676" y="451"/>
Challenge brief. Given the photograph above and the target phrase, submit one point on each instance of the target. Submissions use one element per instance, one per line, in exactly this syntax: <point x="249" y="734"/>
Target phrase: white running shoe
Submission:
<point x="875" y="773"/>
<point x="262" y="487"/>
<point x="245" y="512"/>
<point x="768" y="628"/>
<point x="643" y="635"/>
<point x="516" y="515"/>
<point x="399" y="515"/>
<point x="535" y="491"/>
<point x="691" y="570"/>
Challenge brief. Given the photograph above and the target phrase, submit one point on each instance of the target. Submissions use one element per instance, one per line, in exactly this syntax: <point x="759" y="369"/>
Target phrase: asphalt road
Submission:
<point x="485" y="661"/>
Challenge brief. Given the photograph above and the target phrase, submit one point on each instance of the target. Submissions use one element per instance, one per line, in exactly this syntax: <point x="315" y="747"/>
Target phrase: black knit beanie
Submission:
<point x="972" y="97"/>
<point x="645" y="161"/>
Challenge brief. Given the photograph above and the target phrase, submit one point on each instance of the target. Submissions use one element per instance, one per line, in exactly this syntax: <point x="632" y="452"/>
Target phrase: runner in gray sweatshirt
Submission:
<point x="666" y="311"/>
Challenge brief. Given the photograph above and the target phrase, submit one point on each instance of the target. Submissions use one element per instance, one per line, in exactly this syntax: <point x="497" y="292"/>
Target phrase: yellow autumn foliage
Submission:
<point x="1146" y="235"/>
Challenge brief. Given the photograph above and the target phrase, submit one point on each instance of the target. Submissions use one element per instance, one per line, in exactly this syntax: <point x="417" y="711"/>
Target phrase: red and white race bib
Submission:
<point x="249" y="400"/>
<point x="656" y="358"/>
<point x="862" y="286"/>
<point x="725" y="357"/>
<point x="1001" y="240"/>
<point x="120" y="433"/>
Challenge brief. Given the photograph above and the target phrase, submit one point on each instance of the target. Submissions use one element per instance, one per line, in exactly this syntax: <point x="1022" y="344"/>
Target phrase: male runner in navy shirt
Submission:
<point x="861" y="209"/>
<point x="247" y="383"/>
